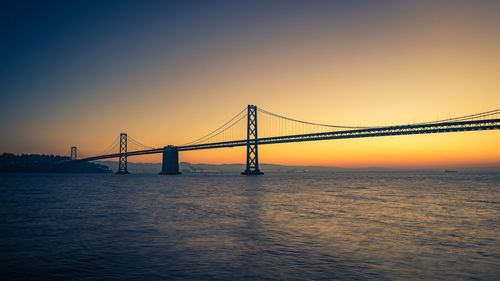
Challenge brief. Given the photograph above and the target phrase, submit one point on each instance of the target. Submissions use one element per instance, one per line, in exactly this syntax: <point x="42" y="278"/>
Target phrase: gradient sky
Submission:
<point x="167" y="72"/>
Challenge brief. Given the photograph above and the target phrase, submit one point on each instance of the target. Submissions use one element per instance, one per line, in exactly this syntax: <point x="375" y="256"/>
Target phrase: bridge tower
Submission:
<point x="122" y="162"/>
<point x="170" y="163"/>
<point x="252" y="167"/>
<point x="73" y="153"/>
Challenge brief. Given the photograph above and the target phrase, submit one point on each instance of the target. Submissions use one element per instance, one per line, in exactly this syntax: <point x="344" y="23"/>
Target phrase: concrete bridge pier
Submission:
<point x="170" y="164"/>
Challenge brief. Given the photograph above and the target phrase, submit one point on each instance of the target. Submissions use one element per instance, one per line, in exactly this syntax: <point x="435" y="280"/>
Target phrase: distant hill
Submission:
<point x="189" y="168"/>
<point x="36" y="163"/>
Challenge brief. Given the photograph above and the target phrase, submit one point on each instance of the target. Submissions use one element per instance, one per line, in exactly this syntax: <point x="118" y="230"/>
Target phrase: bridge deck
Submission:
<point x="428" y="128"/>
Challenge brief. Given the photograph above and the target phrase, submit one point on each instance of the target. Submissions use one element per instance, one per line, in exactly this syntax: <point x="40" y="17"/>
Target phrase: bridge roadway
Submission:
<point x="427" y="128"/>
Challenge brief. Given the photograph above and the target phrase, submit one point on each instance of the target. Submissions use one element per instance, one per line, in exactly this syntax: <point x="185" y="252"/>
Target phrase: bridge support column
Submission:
<point x="252" y="167"/>
<point x="122" y="161"/>
<point x="170" y="163"/>
<point x="73" y="153"/>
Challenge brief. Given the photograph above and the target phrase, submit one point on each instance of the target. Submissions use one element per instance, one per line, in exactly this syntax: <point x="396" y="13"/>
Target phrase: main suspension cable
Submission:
<point x="309" y="123"/>
<point x="219" y="128"/>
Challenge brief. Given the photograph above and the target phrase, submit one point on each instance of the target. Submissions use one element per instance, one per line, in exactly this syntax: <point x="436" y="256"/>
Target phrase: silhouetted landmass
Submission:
<point x="35" y="163"/>
<point x="189" y="168"/>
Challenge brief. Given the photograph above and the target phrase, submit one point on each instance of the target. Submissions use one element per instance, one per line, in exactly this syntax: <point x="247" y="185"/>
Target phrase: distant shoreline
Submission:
<point x="36" y="163"/>
<point x="189" y="168"/>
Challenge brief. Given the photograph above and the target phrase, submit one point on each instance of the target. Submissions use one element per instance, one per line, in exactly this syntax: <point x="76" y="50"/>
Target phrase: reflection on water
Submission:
<point x="352" y="226"/>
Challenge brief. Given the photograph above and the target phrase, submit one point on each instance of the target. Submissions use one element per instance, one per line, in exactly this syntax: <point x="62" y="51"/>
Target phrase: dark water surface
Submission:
<point x="351" y="226"/>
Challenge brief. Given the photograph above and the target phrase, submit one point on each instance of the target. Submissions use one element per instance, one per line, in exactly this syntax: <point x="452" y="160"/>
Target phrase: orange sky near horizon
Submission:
<point x="412" y="151"/>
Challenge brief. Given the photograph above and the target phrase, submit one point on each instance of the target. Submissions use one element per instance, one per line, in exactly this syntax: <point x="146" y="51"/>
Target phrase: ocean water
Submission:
<point x="346" y="226"/>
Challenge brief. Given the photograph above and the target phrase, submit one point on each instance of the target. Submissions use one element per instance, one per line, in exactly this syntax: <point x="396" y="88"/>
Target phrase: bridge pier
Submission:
<point x="170" y="163"/>
<point x="252" y="167"/>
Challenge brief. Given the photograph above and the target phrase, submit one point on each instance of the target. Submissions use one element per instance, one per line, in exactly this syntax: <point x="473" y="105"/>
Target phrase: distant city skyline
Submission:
<point x="168" y="72"/>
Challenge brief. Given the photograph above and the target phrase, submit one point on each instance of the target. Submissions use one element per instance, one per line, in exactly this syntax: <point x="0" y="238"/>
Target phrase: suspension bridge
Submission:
<point x="242" y="130"/>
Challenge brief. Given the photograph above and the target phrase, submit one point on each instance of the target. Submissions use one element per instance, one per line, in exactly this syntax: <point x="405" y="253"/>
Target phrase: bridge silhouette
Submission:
<point x="242" y="130"/>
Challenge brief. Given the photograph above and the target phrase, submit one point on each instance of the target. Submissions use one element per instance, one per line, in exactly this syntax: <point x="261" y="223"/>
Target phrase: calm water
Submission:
<point x="352" y="226"/>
